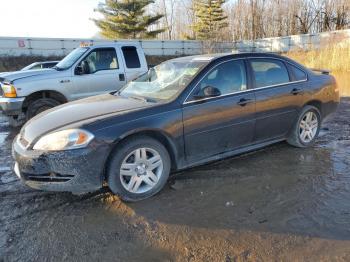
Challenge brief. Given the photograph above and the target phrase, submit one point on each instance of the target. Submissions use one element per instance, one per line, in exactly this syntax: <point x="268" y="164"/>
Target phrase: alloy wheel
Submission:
<point x="308" y="127"/>
<point x="141" y="170"/>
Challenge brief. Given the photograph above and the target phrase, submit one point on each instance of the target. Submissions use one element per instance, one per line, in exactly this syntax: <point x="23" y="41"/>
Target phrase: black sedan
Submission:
<point x="184" y="112"/>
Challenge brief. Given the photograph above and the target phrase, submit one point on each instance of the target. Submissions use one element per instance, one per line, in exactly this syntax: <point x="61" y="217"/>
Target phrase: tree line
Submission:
<point x="219" y="20"/>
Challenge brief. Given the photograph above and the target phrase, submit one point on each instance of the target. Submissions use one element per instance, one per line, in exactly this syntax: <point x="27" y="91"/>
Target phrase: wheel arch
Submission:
<point x="316" y="103"/>
<point x="44" y="94"/>
<point x="156" y="134"/>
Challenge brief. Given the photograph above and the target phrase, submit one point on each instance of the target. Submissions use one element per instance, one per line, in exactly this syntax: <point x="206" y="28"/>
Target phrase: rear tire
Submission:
<point x="138" y="169"/>
<point x="40" y="105"/>
<point x="306" y="128"/>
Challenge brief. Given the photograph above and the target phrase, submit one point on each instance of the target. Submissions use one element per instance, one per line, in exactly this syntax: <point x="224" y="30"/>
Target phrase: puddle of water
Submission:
<point x="298" y="191"/>
<point x="4" y="169"/>
<point x="3" y="136"/>
<point x="288" y="200"/>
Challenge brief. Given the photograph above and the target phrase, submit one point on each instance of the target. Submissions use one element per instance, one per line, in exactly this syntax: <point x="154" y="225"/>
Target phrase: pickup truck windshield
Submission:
<point x="164" y="81"/>
<point x="71" y="58"/>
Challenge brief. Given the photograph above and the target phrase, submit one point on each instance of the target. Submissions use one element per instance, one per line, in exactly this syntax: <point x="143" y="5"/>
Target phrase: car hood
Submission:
<point x="78" y="111"/>
<point x="12" y="76"/>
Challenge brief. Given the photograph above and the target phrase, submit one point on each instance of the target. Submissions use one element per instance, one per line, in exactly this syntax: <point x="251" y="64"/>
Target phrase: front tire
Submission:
<point x="40" y="105"/>
<point x="306" y="128"/>
<point x="138" y="169"/>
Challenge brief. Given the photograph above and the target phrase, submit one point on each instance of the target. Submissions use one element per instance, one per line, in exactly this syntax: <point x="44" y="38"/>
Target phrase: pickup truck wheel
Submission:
<point x="40" y="105"/>
<point x="306" y="128"/>
<point x="138" y="169"/>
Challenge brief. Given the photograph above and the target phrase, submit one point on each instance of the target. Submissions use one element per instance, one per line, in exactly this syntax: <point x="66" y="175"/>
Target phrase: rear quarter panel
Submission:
<point x="324" y="90"/>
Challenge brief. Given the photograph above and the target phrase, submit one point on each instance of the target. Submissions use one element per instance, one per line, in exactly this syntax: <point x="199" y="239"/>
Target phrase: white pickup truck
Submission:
<point x="86" y="71"/>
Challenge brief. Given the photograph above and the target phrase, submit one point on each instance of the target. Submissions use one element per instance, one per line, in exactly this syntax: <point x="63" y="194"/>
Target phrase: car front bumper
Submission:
<point x="11" y="106"/>
<point x="77" y="171"/>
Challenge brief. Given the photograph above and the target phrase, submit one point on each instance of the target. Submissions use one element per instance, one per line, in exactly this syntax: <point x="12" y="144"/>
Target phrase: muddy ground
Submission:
<point x="277" y="204"/>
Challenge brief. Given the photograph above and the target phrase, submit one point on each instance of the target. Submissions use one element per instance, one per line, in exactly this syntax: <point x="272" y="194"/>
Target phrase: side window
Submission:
<point x="48" y="65"/>
<point x="229" y="77"/>
<point x="268" y="72"/>
<point x="298" y="75"/>
<point x="38" y="66"/>
<point x="100" y="59"/>
<point x="131" y="57"/>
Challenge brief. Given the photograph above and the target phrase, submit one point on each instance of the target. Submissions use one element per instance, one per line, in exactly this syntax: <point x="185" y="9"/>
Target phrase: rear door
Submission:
<point x="102" y="73"/>
<point x="219" y="124"/>
<point x="278" y="97"/>
<point x="134" y="60"/>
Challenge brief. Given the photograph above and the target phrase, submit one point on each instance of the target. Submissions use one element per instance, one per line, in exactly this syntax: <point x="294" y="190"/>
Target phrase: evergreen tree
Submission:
<point x="125" y="19"/>
<point x="209" y="19"/>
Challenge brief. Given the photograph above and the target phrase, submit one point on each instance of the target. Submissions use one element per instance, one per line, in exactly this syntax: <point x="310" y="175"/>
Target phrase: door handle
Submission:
<point x="121" y="77"/>
<point x="296" y="91"/>
<point x="244" y="101"/>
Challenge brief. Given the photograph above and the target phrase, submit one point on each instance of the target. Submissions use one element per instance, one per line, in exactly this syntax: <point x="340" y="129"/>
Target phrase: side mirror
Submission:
<point x="208" y="91"/>
<point x="79" y="70"/>
<point x="152" y="74"/>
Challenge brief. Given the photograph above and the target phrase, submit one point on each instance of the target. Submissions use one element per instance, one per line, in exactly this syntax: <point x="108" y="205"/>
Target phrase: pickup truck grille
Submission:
<point x="1" y="82"/>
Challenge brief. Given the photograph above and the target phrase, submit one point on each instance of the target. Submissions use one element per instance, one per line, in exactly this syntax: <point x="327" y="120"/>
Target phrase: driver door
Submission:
<point x="214" y="125"/>
<point x="99" y="72"/>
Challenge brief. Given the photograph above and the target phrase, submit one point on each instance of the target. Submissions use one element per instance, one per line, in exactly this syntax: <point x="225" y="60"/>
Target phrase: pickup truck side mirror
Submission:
<point x="208" y="91"/>
<point x="79" y="70"/>
<point x="82" y="69"/>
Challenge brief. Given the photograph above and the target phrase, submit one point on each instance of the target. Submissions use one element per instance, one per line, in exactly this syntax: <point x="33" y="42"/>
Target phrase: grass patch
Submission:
<point x="335" y="57"/>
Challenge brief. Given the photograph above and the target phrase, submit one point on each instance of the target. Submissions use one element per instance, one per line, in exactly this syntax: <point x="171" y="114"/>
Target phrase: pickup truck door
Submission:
<point x="135" y="62"/>
<point x="101" y="71"/>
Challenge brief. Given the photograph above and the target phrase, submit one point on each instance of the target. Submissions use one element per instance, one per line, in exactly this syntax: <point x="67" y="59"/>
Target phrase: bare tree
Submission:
<point x="252" y="19"/>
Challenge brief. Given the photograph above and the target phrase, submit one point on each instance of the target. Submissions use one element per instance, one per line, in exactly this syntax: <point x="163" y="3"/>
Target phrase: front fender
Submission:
<point x="167" y="127"/>
<point x="30" y="85"/>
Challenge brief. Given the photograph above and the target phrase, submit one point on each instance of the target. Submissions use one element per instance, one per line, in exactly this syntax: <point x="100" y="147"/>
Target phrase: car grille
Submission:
<point x="50" y="177"/>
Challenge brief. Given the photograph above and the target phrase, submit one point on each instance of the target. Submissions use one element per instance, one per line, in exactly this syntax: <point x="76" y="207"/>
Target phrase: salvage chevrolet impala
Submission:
<point x="184" y="112"/>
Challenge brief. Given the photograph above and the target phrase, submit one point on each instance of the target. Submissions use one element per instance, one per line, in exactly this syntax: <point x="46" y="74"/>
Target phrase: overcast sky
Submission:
<point x="48" y="18"/>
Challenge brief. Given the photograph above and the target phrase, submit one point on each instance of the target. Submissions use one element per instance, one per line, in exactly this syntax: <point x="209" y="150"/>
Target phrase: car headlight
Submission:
<point x="64" y="140"/>
<point x="9" y="90"/>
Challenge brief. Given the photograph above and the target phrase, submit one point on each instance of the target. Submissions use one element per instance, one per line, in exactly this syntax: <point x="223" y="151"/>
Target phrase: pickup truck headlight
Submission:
<point x="64" y="140"/>
<point x="9" y="90"/>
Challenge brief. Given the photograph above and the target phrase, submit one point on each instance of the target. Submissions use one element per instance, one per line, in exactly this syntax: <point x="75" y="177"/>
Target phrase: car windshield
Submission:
<point x="164" y="81"/>
<point x="71" y="58"/>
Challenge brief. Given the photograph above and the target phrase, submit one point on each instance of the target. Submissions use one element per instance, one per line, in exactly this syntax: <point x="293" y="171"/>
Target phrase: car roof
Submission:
<point x="219" y="56"/>
<point x="212" y="57"/>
